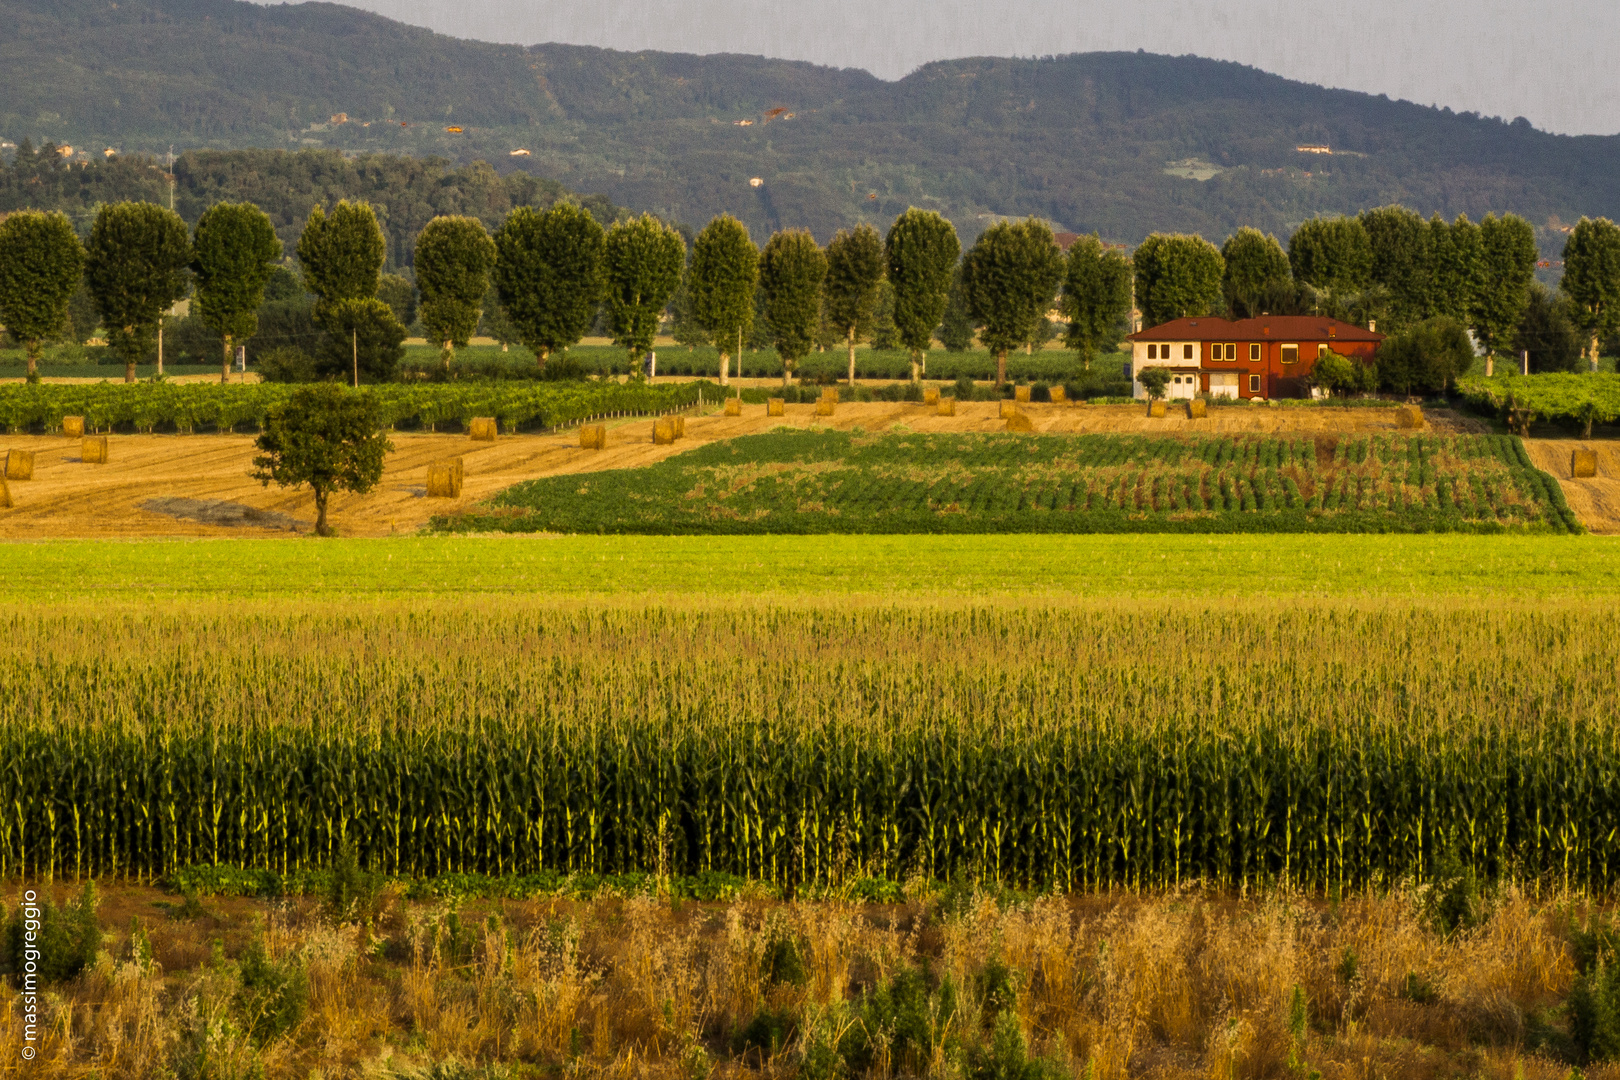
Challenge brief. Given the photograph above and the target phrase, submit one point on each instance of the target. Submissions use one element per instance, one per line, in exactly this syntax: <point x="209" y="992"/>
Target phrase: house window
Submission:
<point x="1186" y="352"/>
<point x="1231" y="350"/>
<point x="1254" y="352"/>
<point x="1321" y="351"/>
<point x="1254" y="384"/>
<point x="1153" y="352"/>
<point x="1290" y="354"/>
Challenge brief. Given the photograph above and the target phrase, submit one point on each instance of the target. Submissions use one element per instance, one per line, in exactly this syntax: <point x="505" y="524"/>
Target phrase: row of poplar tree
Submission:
<point x="554" y="268"/>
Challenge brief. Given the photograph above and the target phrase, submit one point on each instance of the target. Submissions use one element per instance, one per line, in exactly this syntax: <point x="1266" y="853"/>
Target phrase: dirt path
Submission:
<point x="198" y="485"/>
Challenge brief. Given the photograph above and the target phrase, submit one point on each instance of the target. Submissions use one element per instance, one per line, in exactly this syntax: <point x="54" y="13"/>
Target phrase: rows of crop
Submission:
<point x="1326" y="743"/>
<point x="1556" y="397"/>
<point x="814" y="482"/>
<point x="187" y="407"/>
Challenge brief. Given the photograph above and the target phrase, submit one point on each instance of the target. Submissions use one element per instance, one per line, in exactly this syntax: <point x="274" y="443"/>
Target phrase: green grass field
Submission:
<point x="1203" y="568"/>
<point x="792" y="481"/>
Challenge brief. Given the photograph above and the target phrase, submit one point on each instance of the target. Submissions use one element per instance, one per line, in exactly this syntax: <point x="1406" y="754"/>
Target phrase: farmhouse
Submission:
<point x="1268" y="357"/>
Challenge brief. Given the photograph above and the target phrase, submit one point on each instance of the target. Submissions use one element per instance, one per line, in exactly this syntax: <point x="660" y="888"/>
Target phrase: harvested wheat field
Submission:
<point x="1596" y="499"/>
<point x="198" y="485"/>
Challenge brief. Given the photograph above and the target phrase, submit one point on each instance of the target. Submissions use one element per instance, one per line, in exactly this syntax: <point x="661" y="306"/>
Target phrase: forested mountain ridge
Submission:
<point x="1121" y="143"/>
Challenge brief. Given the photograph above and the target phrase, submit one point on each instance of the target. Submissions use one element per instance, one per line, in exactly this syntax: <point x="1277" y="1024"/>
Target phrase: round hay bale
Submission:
<point x="5" y="495"/>
<point x="825" y="407"/>
<point x="1408" y="417"/>
<point x="1059" y="395"/>
<point x="733" y="406"/>
<point x="775" y="406"/>
<point x="947" y="406"/>
<point x="1021" y="393"/>
<point x="663" y="432"/>
<point x="1582" y="464"/>
<point x="931" y="396"/>
<point x="680" y="425"/>
<point x="442" y="481"/>
<point x="1019" y="422"/>
<point x="593" y="437"/>
<point x="19" y="465"/>
<point x="93" y="450"/>
<point x="73" y="427"/>
<point x="1156" y="408"/>
<point x="1197" y="409"/>
<point x="482" y="429"/>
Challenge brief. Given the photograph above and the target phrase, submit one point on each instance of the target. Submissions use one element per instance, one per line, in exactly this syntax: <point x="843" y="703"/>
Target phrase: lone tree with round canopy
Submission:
<point x="453" y="259"/>
<point x="234" y="249"/>
<point x="1009" y="278"/>
<point x="920" y="254"/>
<point x="854" y="273"/>
<point x="41" y="262"/>
<point x="1506" y="269"/>
<point x="136" y="270"/>
<point x="327" y="437"/>
<point x="644" y="262"/>
<point x="549" y="275"/>
<point x="724" y="275"/>
<point x="1096" y="295"/>
<point x="791" y="270"/>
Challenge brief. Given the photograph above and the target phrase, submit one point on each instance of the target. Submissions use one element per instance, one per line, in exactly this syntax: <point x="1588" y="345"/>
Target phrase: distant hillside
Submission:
<point x="1120" y="143"/>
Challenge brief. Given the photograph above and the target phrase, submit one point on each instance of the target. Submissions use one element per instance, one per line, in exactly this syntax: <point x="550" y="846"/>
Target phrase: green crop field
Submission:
<point x="766" y="568"/>
<point x="838" y="482"/>
<point x="1045" y="743"/>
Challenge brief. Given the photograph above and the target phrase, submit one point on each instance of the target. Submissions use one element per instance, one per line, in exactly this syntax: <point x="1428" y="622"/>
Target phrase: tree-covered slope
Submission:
<point x="1124" y="143"/>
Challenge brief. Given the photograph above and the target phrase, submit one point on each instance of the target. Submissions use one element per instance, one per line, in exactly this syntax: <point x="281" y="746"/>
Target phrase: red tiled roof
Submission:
<point x="1267" y="328"/>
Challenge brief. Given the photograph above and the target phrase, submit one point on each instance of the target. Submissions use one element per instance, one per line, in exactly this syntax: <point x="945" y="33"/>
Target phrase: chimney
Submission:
<point x="1372" y="326"/>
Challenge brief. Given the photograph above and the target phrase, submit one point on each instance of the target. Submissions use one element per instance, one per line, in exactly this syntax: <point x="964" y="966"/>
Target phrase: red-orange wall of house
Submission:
<point x="1270" y="364"/>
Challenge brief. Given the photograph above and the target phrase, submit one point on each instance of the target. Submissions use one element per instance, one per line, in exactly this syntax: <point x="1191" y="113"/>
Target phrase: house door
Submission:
<point x="1183" y="386"/>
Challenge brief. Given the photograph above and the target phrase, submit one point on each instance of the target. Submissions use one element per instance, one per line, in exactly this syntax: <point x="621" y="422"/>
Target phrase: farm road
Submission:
<point x="198" y="485"/>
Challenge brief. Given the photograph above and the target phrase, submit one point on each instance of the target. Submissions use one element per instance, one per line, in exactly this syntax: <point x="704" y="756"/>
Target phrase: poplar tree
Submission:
<point x="1177" y="276"/>
<point x="41" y="264"/>
<point x="1331" y="255"/>
<point x="644" y="258"/>
<point x="453" y="259"/>
<point x="791" y="270"/>
<point x="342" y="257"/>
<point x="549" y="275"/>
<point x="854" y="271"/>
<point x="1402" y="262"/>
<point x="1455" y="269"/>
<point x="920" y="254"/>
<point x="1256" y="272"/>
<point x="1096" y="295"/>
<point x="234" y="251"/>
<point x="1507" y="266"/>
<point x="724" y="276"/>
<point x="1592" y="280"/>
<point x="135" y="268"/>
<point x="1009" y="277"/>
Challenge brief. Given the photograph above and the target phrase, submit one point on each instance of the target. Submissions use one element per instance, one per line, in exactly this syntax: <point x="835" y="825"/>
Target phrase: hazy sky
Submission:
<point x="1553" y="61"/>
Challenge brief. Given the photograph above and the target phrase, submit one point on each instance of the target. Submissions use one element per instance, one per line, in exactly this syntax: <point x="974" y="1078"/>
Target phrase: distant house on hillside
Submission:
<point x="1268" y="357"/>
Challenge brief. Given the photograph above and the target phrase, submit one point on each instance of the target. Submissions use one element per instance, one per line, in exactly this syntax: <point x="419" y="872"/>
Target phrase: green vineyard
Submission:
<point x="837" y="482"/>
<point x="1047" y="745"/>
<point x="187" y="407"/>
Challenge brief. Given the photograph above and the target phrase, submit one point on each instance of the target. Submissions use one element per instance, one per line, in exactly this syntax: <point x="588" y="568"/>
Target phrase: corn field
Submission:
<point x="1042" y="744"/>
